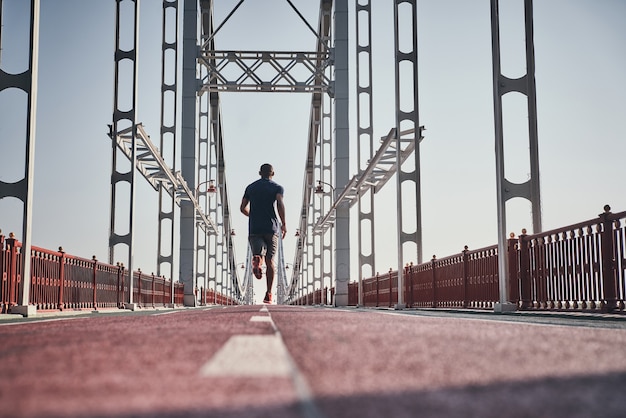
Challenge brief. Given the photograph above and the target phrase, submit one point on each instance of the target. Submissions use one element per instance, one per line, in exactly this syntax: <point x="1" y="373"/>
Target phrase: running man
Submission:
<point x="263" y="226"/>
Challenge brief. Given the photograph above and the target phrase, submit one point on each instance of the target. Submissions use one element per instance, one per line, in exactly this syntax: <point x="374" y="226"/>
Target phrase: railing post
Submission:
<point x="165" y="298"/>
<point x="170" y="297"/>
<point x="465" y="274"/>
<point x="12" y="271"/>
<point x="120" y="280"/>
<point x="524" y="271"/>
<point x="514" y="284"/>
<point x="172" y="292"/>
<point x="61" y="304"/>
<point x="406" y="285"/>
<point x="153" y="305"/>
<point x="377" y="289"/>
<point x="390" y="288"/>
<point x="4" y="291"/>
<point x="95" y="284"/>
<point x="139" y="301"/>
<point x="434" y="270"/>
<point x="609" y="278"/>
<point x="410" y="275"/>
<point x="163" y="293"/>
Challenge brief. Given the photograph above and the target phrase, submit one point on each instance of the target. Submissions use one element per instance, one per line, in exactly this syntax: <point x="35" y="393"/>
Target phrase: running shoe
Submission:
<point x="256" y="267"/>
<point x="268" y="298"/>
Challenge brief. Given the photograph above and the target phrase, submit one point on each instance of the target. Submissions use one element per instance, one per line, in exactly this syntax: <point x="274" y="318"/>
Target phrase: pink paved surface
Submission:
<point x="356" y="364"/>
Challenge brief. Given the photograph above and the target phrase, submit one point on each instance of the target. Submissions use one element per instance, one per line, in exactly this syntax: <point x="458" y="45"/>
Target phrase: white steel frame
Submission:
<point x="324" y="71"/>
<point x="408" y="121"/>
<point x="505" y="189"/>
<point x="169" y="87"/>
<point x="365" y="137"/>
<point x="23" y="188"/>
<point x="124" y="132"/>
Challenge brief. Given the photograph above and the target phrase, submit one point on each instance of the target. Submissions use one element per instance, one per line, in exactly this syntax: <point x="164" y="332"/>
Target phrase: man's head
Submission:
<point x="266" y="171"/>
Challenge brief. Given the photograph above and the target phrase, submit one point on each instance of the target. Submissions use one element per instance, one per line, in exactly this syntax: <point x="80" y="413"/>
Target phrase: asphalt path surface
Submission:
<point x="313" y="362"/>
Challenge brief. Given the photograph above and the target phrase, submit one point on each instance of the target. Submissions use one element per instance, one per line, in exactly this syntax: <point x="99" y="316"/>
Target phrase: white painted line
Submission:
<point x="261" y="356"/>
<point x="165" y="313"/>
<point x="39" y="321"/>
<point x="260" y="318"/>
<point x="250" y="356"/>
<point x="486" y="320"/>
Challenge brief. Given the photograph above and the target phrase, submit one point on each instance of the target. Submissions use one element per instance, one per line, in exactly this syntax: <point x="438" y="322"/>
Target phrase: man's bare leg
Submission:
<point x="269" y="275"/>
<point x="257" y="263"/>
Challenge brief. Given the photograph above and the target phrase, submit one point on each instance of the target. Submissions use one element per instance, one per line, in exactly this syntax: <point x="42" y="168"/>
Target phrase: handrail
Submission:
<point x="583" y="271"/>
<point x="62" y="281"/>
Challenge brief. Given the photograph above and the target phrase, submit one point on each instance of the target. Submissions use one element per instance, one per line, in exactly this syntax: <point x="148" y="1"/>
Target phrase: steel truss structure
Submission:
<point x="407" y="119"/>
<point x="130" y="140"/>
<point x="221" y="255"/>
<point x="213" y="251"/>
<point x="505" y="189"/>
<point x="124" y="135"/>
<point x="313" y="262"/>
<point x="152" y="166"/>
<point x="375" y="170"/>
<point x="365" y="138"/>
<point x="22" y="189"/>
<point x="289" y="71"/>
<point x="168" y="134"/>
<point x="323" y="250"/>
<point x="276" y="71"/>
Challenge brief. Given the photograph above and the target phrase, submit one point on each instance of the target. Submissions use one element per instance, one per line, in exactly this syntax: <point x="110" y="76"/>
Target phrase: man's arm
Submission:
<point x="244" y="207"/>
<point x="280" y="207"/>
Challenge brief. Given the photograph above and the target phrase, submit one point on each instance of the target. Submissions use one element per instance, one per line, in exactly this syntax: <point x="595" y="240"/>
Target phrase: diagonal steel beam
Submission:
<point x="377" y="173"/>
<point x="154" y="169"/>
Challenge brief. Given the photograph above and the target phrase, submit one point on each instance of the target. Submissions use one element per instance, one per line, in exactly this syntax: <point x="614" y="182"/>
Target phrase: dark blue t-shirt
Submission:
<point x="262" y="194"/>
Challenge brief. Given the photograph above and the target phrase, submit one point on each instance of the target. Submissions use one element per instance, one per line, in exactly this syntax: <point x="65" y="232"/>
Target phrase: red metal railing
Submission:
<point x="465" y="280"/>
<point x="10" y="263"/>
<point x="151" y="290"/>
<point x="377" y="291"/>
<point x="61" y="281"/>
<point x="213" y="297"/>
<point x="578" y="267"/>
<point x="319" y="296"/>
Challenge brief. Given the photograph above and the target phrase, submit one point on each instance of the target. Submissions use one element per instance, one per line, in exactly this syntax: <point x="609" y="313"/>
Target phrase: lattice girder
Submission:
<point x="266" y="71"/>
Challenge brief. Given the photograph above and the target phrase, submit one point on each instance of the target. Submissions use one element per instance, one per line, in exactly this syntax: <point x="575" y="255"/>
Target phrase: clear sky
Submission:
<point x="580" y="49"/>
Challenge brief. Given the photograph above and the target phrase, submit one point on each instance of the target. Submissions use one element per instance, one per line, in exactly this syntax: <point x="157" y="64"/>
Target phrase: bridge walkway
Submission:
<point x="314" y="362"/>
